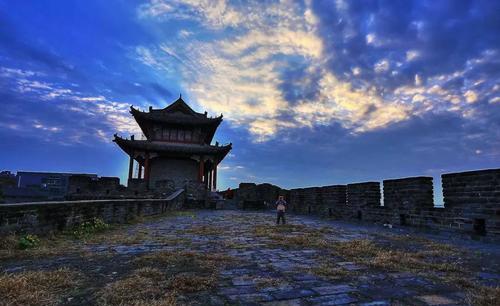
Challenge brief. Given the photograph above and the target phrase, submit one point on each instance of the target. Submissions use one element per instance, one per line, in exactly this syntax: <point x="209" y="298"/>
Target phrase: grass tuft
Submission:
<point x="86" y="229"/>
<point x="190" y="282"/>
<point x="484" y="296"/>
<point x="203" y="230"/>
<point x="38" y="287"/>
<point x="267" y="282"/>
<point x="145" y="286"/>
<point x="330" y="271"/>
<point x="11" y="247"/>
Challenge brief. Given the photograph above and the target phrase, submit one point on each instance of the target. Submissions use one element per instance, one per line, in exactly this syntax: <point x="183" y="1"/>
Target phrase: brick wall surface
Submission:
<point x="473" y="199"/>
<point x="361" y="196"/>
<point x="334" y="199"/>
<point x="45" y="217"/>
<point x="410" y="194"/>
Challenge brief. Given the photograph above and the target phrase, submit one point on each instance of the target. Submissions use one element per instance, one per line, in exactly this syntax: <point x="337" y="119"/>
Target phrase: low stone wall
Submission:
<point x="45" y="217"/>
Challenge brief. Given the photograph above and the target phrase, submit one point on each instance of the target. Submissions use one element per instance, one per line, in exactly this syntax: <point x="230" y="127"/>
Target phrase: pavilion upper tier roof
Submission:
<point x="178" y="113"/>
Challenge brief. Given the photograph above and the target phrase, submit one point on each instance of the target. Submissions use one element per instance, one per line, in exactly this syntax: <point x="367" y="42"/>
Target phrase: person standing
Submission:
<point x="280" y="209"/>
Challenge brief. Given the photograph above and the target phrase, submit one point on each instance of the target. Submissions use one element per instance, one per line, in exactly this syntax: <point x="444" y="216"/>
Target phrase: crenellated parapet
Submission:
<point x="471" y="202"/>
<point x="479" y="189"/>
<point x="334" y="199"/>
<point x="412" y="193"/>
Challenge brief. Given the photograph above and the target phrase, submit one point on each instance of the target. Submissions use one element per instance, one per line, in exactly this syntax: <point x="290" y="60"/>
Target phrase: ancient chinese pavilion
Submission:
<point x="177" y="148"/>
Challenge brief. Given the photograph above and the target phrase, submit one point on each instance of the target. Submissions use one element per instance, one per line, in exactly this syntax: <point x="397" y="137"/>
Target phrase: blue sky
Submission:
<point x="312" y="92"/>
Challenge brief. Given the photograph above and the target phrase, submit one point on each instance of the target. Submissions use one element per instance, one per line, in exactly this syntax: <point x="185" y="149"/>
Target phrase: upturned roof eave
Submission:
<point x="143" y="117"/>
<point x="129" y="146"/>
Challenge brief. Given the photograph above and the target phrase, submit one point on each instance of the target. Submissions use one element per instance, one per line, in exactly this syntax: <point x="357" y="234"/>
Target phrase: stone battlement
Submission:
<point x="471" y="202"/>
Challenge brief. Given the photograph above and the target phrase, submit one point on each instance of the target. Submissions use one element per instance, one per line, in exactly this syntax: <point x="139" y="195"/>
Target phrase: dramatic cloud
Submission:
<point x="365" y="66"/>
<point x="312" y="92"/>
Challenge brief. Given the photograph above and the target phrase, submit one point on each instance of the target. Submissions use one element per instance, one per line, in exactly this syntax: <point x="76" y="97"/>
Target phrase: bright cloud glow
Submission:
<point x="244" y="74"/>
<point x="241" y="75"/>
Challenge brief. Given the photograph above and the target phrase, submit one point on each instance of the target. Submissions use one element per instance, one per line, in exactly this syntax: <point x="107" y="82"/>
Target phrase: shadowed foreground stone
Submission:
<point x="267" y="273"/>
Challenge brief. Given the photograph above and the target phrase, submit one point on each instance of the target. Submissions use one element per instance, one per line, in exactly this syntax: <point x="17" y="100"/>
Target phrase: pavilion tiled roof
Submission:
<point x="173" y="148"/>
<point x="174" y="118"/>
<point x="177" y="113"/>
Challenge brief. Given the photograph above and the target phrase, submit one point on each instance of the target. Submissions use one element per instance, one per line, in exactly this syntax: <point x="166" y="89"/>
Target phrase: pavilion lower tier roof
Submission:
<point x="172" y="149"/>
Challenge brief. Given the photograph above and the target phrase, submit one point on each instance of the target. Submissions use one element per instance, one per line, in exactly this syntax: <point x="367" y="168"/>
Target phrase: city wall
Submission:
<point x="471" y="202"/>
<point x="45" y="217"/>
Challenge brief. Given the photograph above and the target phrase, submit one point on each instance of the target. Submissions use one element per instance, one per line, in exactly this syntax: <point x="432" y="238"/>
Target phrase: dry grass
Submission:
<point x="291" y="236"/>
<point x="168" y="214"/>
<point x="203" y="230"/>
<point x="267" y="282"/>
<point x="244" y="218"/>
<point x="121" y="236"/>
<point x="369" y="253"/>
<point x="184" y="261"/>
<point x="484" y="296"/>
<point x="231" y="244"/>
<point x="330" y="271"/>
<point x="162" y="277"/>
<point x="355" y="249"/>
<point x="440" y="261"/>
<point x="190" y="282"/>
<point x="476" y="293"/>
<point x="273" y="230"/>
<point x="48" y="246"/>
<point x="425" y="245"/>
<point x="145" y="286"/>
<point x="444" y="263"/>
<point x="413" y="262"/>
<point x="190" y="271"/>
<point x="305" y="241"/>
<point x="38" y="287"/>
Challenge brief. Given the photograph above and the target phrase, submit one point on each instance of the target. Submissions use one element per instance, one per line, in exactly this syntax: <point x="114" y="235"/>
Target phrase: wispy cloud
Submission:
<point x="92" y="110"/>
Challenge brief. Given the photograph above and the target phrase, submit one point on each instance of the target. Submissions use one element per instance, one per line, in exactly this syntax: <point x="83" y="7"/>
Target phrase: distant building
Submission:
<point x="7" y="179"/>
<point x="177" y="149"/>
<point x="39" y="186"/>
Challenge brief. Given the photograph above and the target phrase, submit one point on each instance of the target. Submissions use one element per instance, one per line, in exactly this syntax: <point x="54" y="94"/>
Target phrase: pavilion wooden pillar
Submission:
<point x="215" y="177"/>
<point x="130" y="167"/>
<point x="139" y="176"/>
<point x="205" y="177"/>
<point x="146" y="169"/>
<point x="201" y="171"/>
<point x="209" y="174"/>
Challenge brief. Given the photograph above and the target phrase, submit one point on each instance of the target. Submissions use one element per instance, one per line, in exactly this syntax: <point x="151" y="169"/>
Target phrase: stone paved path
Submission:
<point x="270" y="273"/>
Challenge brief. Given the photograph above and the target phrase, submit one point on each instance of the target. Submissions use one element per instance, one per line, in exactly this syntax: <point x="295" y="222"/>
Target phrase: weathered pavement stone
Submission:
<point x="292" y="294"/>
<point x="328" y="290"/>
<point x="250" y="297"/>
<point x="267" y="274"/>
<point x="436" y="300"/>
<point x="337" y="299"/>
